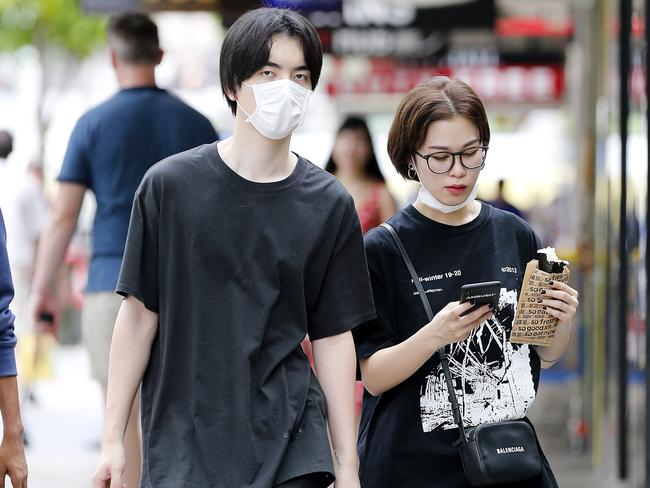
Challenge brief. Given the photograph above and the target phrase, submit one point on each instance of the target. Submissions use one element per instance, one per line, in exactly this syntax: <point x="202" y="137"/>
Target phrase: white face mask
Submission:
<point x="281" y="106"/>
<point x="426" y="198"/>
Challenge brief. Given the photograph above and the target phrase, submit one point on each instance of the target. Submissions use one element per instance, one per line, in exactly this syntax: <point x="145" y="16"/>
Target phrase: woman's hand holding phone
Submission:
<point x="452" y="326"/>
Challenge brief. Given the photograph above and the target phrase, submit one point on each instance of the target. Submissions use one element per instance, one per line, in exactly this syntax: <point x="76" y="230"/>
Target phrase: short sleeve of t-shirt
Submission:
<point x="376" y="334"/>
<point x="139" y="273"/>
<point x="534" y="244"/>
<point x="76" y="166"/>
<point x="344" y="300"/>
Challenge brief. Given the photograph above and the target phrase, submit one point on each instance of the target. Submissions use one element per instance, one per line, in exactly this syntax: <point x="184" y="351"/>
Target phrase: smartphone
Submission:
<point x="481" y="294"/>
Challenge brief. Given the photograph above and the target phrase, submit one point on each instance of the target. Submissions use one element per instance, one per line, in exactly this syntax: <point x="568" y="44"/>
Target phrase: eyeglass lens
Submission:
<point x="470" y="158"/>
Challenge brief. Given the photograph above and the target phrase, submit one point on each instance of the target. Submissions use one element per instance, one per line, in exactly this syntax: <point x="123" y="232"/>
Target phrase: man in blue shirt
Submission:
<point x="501" y="202"/>
<point x="110" y="149"/>
<point x="12" y="453"/>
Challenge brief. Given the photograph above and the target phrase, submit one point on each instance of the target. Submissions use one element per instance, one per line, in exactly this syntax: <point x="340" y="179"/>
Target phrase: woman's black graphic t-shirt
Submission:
<point x="407" y="433"/>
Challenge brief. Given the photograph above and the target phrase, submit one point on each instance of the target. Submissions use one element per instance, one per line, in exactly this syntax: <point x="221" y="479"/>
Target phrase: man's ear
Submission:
<point x="231" y="95"/>
<point x="114" y="59"/>
<point x="161" y="53"/>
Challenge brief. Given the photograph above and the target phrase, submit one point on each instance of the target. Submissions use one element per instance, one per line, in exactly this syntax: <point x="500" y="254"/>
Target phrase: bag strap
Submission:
<point x="427" y="308"/>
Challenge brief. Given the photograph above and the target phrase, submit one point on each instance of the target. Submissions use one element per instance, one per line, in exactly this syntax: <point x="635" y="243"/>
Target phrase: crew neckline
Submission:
<point x="479" y="220"/>
<point x="141" y="88"/>
<point x="239" y="181"/>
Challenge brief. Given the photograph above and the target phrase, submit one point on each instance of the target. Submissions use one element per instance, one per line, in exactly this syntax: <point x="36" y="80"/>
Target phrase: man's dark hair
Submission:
<point x="6" y="144"/>
<point x="134" y="38"/>
<point x="247" y="46"/>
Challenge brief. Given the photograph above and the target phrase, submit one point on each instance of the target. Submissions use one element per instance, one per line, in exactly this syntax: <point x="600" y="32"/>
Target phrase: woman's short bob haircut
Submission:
<point x="247" y="45"/>
<point x="439" y="98"/>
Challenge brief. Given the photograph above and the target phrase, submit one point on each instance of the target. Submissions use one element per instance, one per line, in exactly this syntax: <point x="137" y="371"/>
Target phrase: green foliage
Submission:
<point x="50" y="24"/>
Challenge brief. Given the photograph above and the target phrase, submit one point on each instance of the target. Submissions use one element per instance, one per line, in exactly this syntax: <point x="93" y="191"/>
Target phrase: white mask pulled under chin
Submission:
<point x="426" y="198"/>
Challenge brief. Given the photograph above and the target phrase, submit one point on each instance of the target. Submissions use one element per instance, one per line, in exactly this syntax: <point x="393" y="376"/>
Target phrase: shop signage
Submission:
<point x="111" y="6"/>
<point x="507" y="84"/>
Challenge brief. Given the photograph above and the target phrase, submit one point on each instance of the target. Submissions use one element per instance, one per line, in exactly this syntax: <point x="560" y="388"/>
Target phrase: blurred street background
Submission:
<point x="565" y="87"/>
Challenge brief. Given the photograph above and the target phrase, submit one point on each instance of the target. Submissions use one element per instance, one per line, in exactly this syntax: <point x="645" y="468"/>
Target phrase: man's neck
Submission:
<point x="136" y="77"/>
<point x="255" y="157"/>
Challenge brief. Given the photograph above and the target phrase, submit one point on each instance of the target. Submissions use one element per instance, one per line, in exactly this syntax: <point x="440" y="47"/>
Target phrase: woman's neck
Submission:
<point x="461" y="216"/>
<point x="350" y="175"/>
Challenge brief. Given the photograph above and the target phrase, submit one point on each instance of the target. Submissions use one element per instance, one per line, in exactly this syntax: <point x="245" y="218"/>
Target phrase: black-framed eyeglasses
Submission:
<point x="442" y="162"/>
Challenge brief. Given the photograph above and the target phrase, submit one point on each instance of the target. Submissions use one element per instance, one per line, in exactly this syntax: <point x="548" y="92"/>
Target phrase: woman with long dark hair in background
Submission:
<point x="354" y="163"/>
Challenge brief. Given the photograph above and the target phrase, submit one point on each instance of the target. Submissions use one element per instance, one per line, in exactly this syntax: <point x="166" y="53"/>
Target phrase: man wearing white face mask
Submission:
<point x="236" y="251"/>
<point x="280" y="107"/>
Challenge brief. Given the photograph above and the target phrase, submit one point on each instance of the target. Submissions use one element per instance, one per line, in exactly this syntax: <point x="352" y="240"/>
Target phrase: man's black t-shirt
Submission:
<point x="238" y="273"/>
<point x="407" y="433"/>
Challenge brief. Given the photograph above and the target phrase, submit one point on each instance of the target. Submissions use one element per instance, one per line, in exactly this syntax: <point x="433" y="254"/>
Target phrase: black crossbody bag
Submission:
<point x="492" y="454"/>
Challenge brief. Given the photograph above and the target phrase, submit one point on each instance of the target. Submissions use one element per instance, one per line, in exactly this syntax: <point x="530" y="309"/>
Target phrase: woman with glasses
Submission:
<point x="440" y="137"/>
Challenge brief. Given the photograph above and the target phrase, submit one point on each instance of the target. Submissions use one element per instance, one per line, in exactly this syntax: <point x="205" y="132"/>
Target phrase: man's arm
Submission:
<point x="12" y="452"/>
<point x="335" y="363"/>
<point x="135" y="330"/>
<point x="51" y="250"/>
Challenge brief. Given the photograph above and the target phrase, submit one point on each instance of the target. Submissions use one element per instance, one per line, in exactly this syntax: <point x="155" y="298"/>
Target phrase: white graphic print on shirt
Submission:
<point x="492" y="377"/>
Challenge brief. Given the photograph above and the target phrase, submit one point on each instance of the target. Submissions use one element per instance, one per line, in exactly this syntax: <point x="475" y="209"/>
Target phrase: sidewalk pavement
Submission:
<point x="64" y="425"/>
<point x="549" y="415"/>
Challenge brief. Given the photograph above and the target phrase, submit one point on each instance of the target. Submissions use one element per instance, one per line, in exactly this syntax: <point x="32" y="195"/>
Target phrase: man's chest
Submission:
<point x="238" y="238"/>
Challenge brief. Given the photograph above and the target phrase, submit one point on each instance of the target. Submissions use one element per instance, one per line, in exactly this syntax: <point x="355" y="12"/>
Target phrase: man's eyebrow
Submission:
<point x="302" y="67"/>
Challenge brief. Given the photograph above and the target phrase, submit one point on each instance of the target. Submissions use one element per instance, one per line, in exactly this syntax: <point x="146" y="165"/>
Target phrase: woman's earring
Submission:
<point x="412" y="172"/>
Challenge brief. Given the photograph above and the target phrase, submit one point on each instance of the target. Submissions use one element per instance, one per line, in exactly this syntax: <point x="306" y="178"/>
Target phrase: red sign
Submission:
<point x="508" y="84"/>
<point x="533" y="27"/>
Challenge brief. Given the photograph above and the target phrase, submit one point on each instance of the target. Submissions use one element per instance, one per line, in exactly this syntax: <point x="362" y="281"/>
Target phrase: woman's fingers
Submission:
<point x="462" y="311"/>
<point x="473" y="320"/>
<point x="560" y="300"/>
<point x="486" y="316"/>
<point x="559" y="295"/>
<point x="559" y="314"/>
<point x="557" y="285"/>
<point x="476" y="315"/>
<point x="461" y="308"/>
<point x="459" y="326"/>
<point x="483" y="318"/>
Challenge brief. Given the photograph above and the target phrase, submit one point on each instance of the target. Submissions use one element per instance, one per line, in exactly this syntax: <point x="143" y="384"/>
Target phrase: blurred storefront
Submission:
<point x="539" y="66"/>
<point x="622" y="193"/>
<point x="555" y="86"/>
